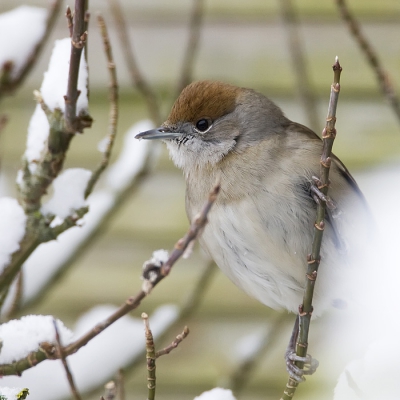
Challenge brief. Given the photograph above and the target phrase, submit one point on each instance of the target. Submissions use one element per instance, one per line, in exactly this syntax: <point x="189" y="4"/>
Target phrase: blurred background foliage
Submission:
<point x="244" y="43"/>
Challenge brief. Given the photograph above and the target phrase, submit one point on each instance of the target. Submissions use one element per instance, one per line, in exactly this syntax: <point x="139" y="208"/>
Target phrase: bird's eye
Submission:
<point x="203" y="124"/>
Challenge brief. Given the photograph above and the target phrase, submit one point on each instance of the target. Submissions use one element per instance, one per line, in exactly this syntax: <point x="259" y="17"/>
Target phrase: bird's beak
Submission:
<point x="159" y="133"/>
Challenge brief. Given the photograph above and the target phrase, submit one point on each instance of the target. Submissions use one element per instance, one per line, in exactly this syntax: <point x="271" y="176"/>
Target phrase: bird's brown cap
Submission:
<point x="204" y="99"/>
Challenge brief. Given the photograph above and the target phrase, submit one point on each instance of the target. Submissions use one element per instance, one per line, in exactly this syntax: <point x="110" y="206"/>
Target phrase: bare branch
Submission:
<point x="137" y="78"/>
<point x="313" y="260"/>
<point x="174" y="344"/>
<point x="113" y="114"/>
<point x="78" y="41"/>
<point x="121" y="385"/>
<point x="195" y="23"/>
<point x="61" y="355"/>
<point x="303" y="84"/>
<point x="381" y="74"/>
<point x="8" y="86"/>
<point x="151" y="359"/>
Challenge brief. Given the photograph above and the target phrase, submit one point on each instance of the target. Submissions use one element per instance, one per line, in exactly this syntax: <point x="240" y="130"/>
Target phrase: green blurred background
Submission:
<point x="243" y="43"/>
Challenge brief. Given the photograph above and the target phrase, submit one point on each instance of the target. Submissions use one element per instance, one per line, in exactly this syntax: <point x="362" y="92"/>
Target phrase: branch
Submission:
<point x="48" y="351"/>
<point x="113" y="114"/>
<point x="35" y="183"/>
<point x="304" y="86"/>
<point x="174" y="344"/>
<point x="381" y="75"/>
<point x="151" y="359"/>
<point x="8" y="86"/>
<point x="195" y="23"/>
<point x="152" y="276"/>
<point x="61" y="355"/>
<point x="313" y="259"/>
<point x="78" y="41"/>
<point x="136" y="76"/>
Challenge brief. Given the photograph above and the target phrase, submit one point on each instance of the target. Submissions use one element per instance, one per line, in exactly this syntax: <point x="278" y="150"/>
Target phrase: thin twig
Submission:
<point x="304" y="86"/>
<point x="195" y="24"/>
<point x="61" y="355"/>
<point x="150" y="358"/>
<point x="131" y="303"/>
<point x="138" y="80"/>
<point x="313" y="259"/>
<point x="121" y="384"/>
<point x="10" y="85"/>
<point x="381" y="75"/>
<point x="113" y="113"/>
<point x="78" y="41"/>
<point x="179" y="338"/>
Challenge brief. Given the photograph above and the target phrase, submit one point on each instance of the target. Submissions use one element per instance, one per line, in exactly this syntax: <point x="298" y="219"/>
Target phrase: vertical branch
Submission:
<point x="78" y="40"/>
<point x="372" y="58"/>
<point x="195" y="23"/>
<point x="113" y="114"/>
<point x="136" y="76"/>
<point x="313" y="259"/>
<point x="304" y="86"/>
<point x="151" y="359"/>
<point x="65" y="364"/>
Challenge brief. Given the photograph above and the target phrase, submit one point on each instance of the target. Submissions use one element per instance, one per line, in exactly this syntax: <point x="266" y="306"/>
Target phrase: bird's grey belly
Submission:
<point x="255" y="256"/>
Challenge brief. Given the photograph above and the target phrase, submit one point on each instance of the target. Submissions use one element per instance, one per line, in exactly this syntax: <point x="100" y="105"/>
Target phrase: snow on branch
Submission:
<point x="20" y="48"/>
<point x="23" y="336"/>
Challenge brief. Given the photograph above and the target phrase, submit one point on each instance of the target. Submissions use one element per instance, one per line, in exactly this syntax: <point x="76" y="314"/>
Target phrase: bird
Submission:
<point x="260" y="229"/>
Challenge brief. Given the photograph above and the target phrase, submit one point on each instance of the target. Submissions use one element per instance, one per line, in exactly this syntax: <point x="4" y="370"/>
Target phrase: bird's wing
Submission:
<point x="344" y="173"/>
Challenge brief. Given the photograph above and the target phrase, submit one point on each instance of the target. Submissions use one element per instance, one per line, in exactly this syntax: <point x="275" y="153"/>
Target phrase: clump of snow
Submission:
<point x="54" y="86"/>
<point x="38" y="132"/>
<point x="114" y="348"/>
<point x="159" y="257"/>
<point x="10" y="393"/>
<point x="12" y="228"/>
<point x="131" y="159"/>
<point x="69" y="190"/>
<point x="53" y="90"/>
<point x="20" y="337"/>
<point x="21" y="29"/>
<point x="216" y="394"/>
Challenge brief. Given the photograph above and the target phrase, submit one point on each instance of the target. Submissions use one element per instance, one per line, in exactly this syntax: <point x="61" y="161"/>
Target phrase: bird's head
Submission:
<point x="210" y="120"/>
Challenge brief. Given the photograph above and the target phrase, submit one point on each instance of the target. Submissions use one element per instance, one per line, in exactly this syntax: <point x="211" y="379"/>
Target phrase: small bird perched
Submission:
<point x="260" y="228"/>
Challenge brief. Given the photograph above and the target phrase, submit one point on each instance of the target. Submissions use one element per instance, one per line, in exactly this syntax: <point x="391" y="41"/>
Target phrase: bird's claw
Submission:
<point x="296" y="373"/>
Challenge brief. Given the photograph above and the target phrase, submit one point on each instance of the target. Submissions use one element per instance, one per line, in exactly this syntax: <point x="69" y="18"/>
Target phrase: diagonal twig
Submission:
<point x="61" y="355"/>
<point x="304" y="86"/>
<point x="195" y="23"/>
<point x="313" y="260"/>
<point x="175" y="343"/>
<point x="381" y="74"/>
<point x="137" y="78"/>
<point x="197" y="225"/>
<point x="113" y="113"/>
